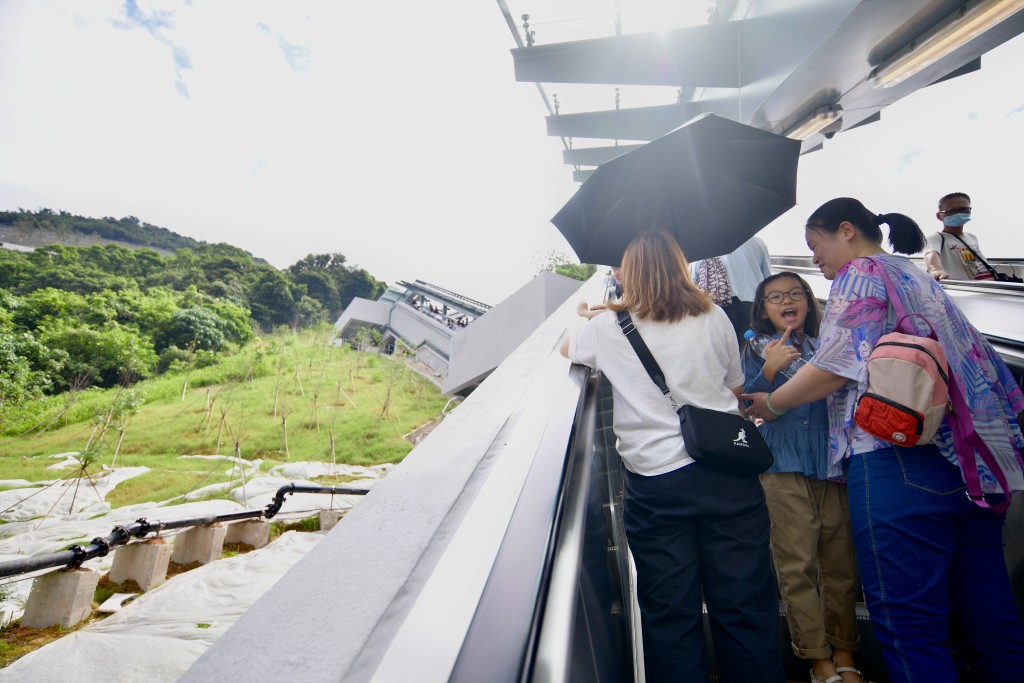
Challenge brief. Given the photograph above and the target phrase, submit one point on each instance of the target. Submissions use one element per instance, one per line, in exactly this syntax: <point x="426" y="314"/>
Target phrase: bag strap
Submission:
<point x="989" y="268"/>
<point x="969" y="444"/>
<point x="644" y="353"/>
<point x="966" y="440"/>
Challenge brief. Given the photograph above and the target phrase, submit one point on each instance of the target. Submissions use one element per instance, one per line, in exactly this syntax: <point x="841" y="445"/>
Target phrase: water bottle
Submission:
<point x="759" y="342"/>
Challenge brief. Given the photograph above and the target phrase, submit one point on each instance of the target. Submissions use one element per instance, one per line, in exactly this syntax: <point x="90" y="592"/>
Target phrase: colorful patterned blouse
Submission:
<point x="857" y="314"/>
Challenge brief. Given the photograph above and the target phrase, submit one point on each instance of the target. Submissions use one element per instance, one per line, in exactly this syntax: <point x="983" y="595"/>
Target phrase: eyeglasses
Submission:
<point x="957" y="209"/>
<point x="777" y="297"/>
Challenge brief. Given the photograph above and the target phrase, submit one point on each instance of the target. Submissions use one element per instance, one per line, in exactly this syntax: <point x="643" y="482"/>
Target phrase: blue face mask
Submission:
<point x="956" y="220"/>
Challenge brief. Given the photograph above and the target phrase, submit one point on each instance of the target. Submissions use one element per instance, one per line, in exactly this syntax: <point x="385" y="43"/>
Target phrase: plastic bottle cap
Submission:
<point x="749" y="334"/>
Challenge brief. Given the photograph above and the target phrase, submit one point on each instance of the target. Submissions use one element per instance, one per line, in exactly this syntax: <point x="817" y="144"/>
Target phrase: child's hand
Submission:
<point x="777" y="355"/>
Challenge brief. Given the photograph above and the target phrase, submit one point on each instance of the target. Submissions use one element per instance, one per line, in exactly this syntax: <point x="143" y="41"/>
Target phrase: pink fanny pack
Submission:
<point x="927" y="402"/>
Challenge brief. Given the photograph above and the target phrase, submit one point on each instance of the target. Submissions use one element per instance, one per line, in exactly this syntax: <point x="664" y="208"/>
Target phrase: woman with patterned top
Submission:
<point x="929" y="557"/>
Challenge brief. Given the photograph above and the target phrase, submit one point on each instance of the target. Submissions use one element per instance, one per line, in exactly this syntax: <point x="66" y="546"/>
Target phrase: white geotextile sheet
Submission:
<point x="35" y="526"/>
<point x="158" y="636"/>
<point x="72" y="498"/>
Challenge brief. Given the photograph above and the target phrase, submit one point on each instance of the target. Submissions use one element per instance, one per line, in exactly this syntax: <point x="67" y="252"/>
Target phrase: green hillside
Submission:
<point x="289" y="396"/>
<point x="51" y="226"/>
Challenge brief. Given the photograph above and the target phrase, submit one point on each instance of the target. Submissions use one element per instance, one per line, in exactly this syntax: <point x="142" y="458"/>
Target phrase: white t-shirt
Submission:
<point x="958" y="262"/>
<point x="701" y="364"/>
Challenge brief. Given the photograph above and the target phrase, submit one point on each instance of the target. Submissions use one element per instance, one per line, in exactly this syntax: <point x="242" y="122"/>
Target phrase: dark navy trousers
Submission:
<point x="697" y="530"/>
<point x="926" y="554"/>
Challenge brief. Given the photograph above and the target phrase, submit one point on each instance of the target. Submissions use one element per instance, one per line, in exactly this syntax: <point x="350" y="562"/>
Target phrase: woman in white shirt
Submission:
<point x="691" y="530"/>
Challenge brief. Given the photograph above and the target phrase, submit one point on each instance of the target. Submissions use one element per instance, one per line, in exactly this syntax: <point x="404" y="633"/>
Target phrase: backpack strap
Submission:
<point x="969" y="444"/>
<point x="966" y="440"/>
<point x="644" y="353"/>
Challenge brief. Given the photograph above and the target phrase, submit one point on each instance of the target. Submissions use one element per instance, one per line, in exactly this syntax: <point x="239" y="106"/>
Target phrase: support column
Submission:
<point x="253" y="533"/>
<point x="61" y="598"/>
<point x="202" y="544"/>
<point x="329" y="519"/>
<point x="144" y="563"/>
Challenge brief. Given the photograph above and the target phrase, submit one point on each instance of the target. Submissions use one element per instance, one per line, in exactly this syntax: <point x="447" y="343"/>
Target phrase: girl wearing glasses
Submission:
<point x="811" y="540"/>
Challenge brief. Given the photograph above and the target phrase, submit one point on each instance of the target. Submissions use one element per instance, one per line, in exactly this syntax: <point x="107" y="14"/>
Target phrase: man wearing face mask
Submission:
<point x="953" y="253"/>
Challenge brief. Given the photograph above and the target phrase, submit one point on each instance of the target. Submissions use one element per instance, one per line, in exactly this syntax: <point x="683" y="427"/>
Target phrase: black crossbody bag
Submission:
<point x="996" y="275"/>
<point x="715" y="439"/>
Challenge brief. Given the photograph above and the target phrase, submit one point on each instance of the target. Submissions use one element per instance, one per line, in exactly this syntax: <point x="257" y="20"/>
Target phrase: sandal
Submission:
<point x="850" y="670"/>
<point x="831" y="679"/>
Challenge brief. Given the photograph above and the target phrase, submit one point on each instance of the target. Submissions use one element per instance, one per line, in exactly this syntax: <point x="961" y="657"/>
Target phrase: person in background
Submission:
<point x="616" y="273"/>
<point x="691" y="530"/>
<point x="730" y="280"/>
<point x="928" y="556"/>
<point x="811" y="539"/>
<point x="953" y="253"/>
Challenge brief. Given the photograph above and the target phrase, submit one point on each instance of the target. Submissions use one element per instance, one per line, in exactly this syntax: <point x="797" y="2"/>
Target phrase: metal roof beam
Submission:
<point x="637" y="123"/>
<point x="595" y="156"/>
<point x="678" y="58"/>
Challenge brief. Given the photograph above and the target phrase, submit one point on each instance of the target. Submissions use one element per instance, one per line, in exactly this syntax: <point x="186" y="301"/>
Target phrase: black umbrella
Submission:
<point x="712" y="182"/>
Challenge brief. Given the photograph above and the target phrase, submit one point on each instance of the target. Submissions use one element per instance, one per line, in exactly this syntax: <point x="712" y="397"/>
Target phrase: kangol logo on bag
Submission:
<point x="741" y="439"/>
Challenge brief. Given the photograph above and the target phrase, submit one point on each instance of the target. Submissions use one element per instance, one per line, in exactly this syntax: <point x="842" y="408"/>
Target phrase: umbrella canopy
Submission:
<point x="712" y="183"/>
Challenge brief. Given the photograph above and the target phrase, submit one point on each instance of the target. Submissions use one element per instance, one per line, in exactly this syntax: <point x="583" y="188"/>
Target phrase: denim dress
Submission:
<point x="798" y="439"/>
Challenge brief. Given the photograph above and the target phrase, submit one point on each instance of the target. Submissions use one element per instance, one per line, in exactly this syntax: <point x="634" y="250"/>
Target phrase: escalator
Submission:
<point x="495" y="551"/>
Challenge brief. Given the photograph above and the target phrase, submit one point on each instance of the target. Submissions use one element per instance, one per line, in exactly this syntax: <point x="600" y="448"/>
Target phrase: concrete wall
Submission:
<point x="432" y="360"/>
<point x="363" y="310"/>
<point x="415" y="328"/>
<point x="482" y="346"/>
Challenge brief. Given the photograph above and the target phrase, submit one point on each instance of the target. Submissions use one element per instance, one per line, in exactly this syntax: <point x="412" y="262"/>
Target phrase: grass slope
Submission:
<point x="280" y="398"/>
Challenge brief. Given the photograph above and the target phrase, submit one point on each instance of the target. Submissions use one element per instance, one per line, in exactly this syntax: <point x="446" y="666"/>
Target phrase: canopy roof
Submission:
<point x="768" y="63"/>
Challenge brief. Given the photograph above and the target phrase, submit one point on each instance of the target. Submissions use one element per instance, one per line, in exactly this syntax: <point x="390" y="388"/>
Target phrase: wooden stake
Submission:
<point x="284" y="436"/>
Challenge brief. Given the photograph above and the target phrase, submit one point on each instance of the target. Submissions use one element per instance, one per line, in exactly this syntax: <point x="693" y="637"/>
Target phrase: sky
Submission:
<point x="395" y="133"/>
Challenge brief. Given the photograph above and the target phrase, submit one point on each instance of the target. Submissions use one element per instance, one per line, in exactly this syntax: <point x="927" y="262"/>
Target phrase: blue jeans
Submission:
<point x="693" y="529"/>
<point x="929" y="558"/>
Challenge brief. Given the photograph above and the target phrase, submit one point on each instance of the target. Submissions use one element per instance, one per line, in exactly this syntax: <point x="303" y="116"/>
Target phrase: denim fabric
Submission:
<point x="929" y="559"/>
<point x="691" y="529"/>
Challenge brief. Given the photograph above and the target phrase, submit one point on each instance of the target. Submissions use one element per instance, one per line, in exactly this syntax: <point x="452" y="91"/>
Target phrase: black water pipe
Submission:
<point x="102" y="545"/>
<point x="275" y="505"/>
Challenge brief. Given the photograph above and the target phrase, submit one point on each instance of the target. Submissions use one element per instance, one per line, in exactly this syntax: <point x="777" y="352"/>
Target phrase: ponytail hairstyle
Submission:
<point x="905" y="236"/>
<point x="761" y="325"/>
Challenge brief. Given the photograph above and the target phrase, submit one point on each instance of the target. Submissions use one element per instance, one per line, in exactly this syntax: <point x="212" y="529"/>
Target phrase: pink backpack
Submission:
<point x="908" y="388"/>
<point x="920" y="362"/>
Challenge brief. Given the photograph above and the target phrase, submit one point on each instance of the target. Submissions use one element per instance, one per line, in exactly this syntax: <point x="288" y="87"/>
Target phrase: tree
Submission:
<point x="108" y="357"/>
<point x="19" y="382"/>
<point x="308" y="312"/>
<point x="321" y="287"/>
<point x="557" y="262"/>
<point x="271" y="299"/>
<point x="192" y="328"/>
<point x="359" y="283"/>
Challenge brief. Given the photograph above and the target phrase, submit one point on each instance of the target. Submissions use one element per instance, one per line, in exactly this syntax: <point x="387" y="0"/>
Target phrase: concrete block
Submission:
<point x="254" y="533"/>
<point x="202" y="544"/>
<point x="144" y="563"/>
<point x="329" y="519"/>
<point x="61" y="598"/>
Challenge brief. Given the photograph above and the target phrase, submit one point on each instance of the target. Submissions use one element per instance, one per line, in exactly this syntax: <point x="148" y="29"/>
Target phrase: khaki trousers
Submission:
<point x="814" y="557"/>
